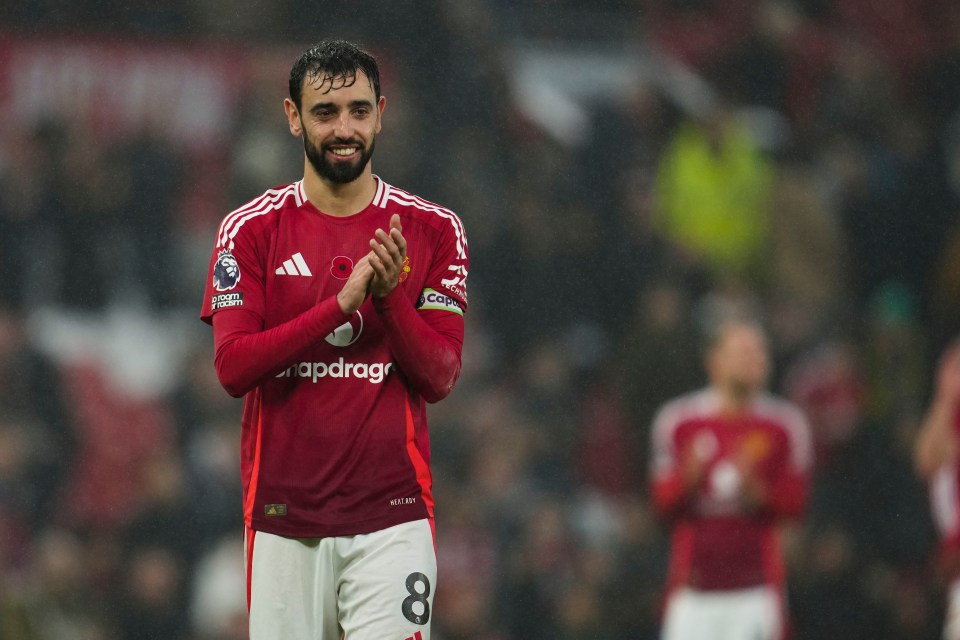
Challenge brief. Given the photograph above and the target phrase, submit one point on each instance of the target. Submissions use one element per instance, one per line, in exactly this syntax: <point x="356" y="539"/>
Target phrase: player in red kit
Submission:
<point x="937" y="458"/>
<point x="337" y="309"/>
<point x="730" y="463"/>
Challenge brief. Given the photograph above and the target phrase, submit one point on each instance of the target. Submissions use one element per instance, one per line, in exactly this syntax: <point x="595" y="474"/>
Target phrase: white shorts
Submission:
<point x="951" y="623"/>
<point x="376" y="586"/>
<point x="744" y="614"/>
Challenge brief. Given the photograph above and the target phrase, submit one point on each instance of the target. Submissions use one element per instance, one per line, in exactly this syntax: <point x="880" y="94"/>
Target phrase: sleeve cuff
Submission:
<point x="389" y="301"/>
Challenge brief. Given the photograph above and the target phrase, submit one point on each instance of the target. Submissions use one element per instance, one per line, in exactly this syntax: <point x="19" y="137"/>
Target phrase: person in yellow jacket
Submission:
<point x="712" y="195"/>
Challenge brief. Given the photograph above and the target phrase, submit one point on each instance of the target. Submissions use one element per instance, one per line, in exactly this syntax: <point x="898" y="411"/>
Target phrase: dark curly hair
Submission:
<point x="334" y="61"/>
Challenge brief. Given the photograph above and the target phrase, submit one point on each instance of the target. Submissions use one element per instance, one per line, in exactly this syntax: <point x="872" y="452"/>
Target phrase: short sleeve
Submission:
<point x="445" y="288"/>
<point x="800" y="441"/>
<point x="663" y="457"/>
<point x="235" y="277"/>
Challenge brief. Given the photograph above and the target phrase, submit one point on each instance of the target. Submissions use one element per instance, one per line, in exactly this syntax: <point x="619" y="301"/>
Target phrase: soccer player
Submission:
<point x="337" y="309"/>
<point x="938" y="462"/>
<point x="730" y="462"/>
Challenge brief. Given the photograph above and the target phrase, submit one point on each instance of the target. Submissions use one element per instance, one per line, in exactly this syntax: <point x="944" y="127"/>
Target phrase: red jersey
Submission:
<point x="717" y="542"/>
<point x="944" y="490"/>
<point x="334" y="441"/>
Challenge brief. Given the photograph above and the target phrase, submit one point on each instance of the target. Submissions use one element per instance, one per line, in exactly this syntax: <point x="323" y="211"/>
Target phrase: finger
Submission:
<point x="390" y="245"/>
<point x="381" y="254"/>
<point x="400" y="241"/>
<point x="395" y="222"/>
<point x="363" y="263"/>
<point x="378" y="269"/>
<point x="366" y="269"/>
<point x="377" y="250"/>
<point x="383" y="237"/>
<point x="362" y="272"/>
<point x="388" y="255"/>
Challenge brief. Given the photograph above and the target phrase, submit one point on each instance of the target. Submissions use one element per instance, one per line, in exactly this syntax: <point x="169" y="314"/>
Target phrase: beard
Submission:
<point x="337" y="172"/>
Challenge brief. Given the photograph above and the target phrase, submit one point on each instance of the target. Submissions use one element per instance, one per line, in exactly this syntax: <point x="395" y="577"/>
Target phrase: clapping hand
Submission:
<point x="386" y="258"/>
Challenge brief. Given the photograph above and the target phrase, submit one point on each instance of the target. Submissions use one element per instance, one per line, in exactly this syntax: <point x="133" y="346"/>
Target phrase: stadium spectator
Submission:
<point x="713" y="196"/>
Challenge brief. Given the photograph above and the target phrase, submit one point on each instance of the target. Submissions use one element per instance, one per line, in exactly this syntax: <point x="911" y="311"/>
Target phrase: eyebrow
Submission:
<point x="333" y="106"/>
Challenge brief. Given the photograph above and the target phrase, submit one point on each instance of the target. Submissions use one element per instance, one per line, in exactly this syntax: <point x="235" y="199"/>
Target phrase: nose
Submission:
<point x="344" y="128"/>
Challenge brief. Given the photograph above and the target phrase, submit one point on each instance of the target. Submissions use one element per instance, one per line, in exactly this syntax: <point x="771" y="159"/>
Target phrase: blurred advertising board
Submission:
<point x="188" y="92"/>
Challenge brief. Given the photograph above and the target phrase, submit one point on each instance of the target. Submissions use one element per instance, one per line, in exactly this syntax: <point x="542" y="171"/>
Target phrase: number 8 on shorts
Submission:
<point x="416" y="607"/>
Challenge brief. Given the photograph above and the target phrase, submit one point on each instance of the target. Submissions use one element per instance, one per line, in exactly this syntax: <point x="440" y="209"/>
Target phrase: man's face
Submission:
<point x="339" y="126"/>
<point x="739" y="360"/>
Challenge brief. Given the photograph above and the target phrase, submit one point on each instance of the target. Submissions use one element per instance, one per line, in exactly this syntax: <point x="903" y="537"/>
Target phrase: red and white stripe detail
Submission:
<point x="387" y="193"/>
<point x="945" y="502"/>
<point x="705" y="402"/>
<point x="381" y="187"/>
<point x="796" y="427"/>
<point x="270" y="201"/>
<point x="671" y="416"/>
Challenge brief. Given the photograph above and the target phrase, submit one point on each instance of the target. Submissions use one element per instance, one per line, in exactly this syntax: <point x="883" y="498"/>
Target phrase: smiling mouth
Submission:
<point x="344" y="152"/>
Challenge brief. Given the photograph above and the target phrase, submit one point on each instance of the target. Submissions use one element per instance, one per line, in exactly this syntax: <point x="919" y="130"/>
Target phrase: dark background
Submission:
<point x="626" y="170"/>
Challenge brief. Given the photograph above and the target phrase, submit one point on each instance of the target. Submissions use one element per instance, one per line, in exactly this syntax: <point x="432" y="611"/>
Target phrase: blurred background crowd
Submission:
<point x="625" y="169"/>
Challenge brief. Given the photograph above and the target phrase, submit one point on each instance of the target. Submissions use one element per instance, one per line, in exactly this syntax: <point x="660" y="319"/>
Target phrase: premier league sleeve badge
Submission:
<point x="226" y="273"/>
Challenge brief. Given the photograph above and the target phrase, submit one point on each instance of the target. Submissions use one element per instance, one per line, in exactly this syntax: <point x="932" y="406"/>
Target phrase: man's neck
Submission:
<point x="735" y="402"/>
<point x="339" y="200"/>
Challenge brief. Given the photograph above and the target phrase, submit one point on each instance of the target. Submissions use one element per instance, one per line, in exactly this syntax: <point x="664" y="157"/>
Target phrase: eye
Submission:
<point x="361" y="112"/>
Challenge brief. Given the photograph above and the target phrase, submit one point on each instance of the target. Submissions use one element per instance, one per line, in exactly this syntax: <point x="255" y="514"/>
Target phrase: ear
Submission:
<point x="381" y="105"/>
<point x="293" y="118"/>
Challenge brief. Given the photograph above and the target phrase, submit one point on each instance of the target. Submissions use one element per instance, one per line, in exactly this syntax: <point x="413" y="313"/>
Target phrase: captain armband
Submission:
<point x="432" y="299"/>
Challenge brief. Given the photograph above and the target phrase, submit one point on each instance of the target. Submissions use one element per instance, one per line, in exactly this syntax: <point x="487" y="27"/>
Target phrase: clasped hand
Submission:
<point x="378" y="272"/>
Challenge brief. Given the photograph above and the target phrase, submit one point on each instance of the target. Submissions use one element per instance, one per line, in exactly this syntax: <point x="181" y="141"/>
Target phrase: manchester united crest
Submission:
<point x="405" y="271"/>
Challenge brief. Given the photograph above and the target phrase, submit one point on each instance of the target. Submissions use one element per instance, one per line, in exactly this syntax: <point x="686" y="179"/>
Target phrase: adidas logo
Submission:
<point x="295" y="265"/>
